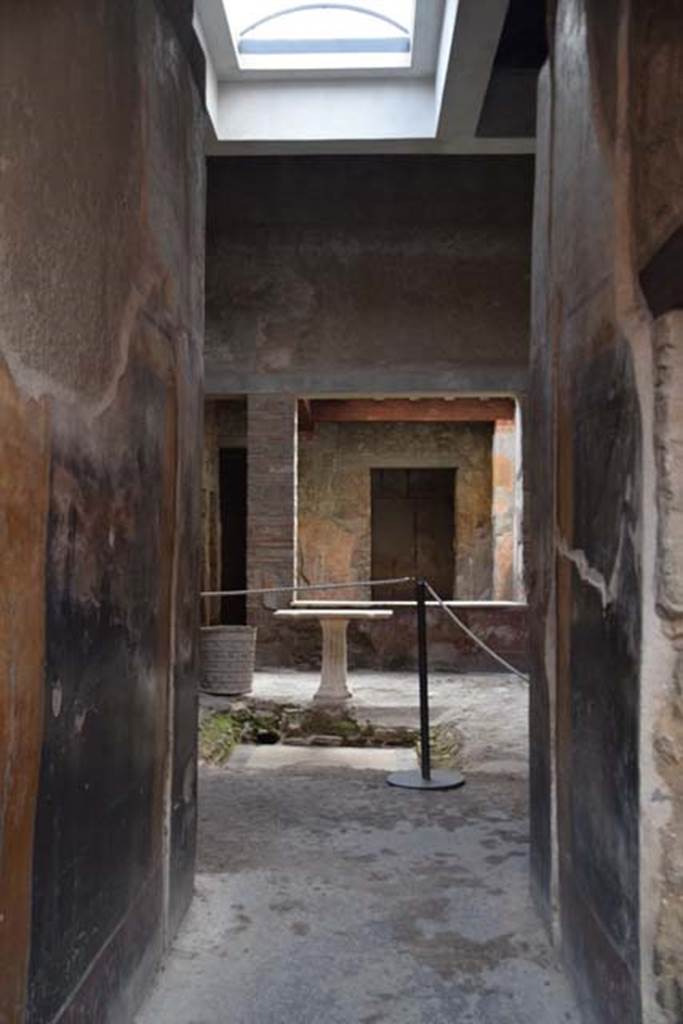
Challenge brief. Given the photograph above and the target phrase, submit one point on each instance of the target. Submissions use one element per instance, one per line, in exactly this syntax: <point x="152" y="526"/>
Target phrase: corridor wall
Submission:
<point x="101" y="326"/>
<point x="606" y="486"/>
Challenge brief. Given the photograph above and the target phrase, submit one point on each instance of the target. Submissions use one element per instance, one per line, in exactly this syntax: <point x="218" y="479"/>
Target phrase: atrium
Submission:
<point x="341" y="363"/>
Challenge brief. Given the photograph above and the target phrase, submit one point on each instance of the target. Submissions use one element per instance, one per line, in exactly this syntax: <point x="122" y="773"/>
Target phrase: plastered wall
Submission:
<point x="101" y="324"/>
<point x="605" y="521"/>
<point x="335" y="463"/>
<point x="363" y="275"/>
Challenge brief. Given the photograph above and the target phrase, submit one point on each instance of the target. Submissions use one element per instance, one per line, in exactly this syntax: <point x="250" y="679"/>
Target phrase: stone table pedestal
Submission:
<point x="334" y="623"/>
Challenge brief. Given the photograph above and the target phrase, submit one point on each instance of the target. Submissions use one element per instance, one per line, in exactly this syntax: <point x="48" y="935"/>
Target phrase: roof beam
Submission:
<point x="405" y="410"/>
<point x="476" y="34"/>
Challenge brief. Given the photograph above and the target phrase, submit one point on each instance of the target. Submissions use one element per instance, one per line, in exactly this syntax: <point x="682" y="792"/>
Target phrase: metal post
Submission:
<point x="423" y="672"/>
<point x="425" y="778"/>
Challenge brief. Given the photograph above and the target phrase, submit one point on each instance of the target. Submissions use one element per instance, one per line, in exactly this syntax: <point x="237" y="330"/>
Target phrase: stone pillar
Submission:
<point x="503" y="509"/>
<point x="271" y="505"/>
<point x="333" y="688"/>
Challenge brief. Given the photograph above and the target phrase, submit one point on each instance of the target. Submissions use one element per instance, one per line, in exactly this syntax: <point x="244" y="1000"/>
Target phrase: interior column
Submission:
<point x="271" y="506"/>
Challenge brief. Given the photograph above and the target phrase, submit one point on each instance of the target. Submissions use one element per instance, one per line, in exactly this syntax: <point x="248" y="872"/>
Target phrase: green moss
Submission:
<point x="220" y="731"/>
<point x="257" y="726"/>
<point x="319" y="721"/>
<point x="218" y="735"/>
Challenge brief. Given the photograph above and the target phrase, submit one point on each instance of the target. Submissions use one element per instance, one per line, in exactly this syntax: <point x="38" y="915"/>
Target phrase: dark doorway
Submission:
<point x="233" y="470"/>
<point x="413" y="524"/>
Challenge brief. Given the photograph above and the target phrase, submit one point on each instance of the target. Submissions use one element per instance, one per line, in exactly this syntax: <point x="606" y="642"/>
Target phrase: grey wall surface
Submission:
<point x="365" y="275"/>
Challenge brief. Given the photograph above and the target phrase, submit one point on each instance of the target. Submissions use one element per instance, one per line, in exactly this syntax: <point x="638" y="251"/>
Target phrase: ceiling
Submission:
<point x="470" y="88"/>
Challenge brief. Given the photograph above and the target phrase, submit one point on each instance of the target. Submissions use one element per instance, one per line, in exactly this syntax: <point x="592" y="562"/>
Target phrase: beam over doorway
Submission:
<point x="405" y="410"/>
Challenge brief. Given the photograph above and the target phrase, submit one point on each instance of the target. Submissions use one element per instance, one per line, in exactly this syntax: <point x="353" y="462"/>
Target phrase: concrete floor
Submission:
<point x="326" y="897"/>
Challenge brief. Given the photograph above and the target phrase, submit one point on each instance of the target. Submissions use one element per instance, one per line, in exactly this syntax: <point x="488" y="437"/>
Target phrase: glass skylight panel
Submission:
<point x="325" y="36"/>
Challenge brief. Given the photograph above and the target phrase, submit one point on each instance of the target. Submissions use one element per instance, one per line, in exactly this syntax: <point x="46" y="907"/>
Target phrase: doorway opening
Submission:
<point x="233" y="504"/>
<point x="413" y="528"/>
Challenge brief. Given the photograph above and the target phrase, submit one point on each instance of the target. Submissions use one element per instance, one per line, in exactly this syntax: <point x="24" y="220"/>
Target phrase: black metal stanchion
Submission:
<point x="423" y="673"/>
<point x="425" y="778"/>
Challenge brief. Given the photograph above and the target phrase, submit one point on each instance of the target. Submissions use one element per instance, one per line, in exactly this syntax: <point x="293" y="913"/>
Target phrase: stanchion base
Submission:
<point x="413" y="780"/>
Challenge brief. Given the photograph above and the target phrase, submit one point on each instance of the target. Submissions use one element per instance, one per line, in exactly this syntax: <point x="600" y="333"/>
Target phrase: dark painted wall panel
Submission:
<point x="98" y="825"/>
<point x="184" y="767"/>
<point x="101" y="301"/>
<point x="538" y="433"/>
<point x="604" y="664"/>
<point x="586" y="528"/>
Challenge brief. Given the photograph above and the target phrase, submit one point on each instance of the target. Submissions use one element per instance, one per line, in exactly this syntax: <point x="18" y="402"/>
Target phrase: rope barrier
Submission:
<point x="374" y="583"/>
<point x="305" y="586"/>
<point x="473" y="636"/>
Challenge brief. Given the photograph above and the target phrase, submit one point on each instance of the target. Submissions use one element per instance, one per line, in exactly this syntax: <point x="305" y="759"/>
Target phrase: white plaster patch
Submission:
<point x="57" y="698"/>
<point x="79" y="720"/>
<point x="588" y="573"/>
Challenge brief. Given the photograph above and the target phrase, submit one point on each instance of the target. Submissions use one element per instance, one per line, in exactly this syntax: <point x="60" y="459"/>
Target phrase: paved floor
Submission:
<point x="491" y="711"/>
<point x="326" y="897"/>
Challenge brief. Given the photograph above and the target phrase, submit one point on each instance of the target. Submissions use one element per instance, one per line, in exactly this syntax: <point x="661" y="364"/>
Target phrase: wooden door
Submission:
<point x="413" y="520"/>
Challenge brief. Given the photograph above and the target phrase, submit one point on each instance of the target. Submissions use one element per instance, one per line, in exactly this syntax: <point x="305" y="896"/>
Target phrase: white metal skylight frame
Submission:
<point x="285" y="35"/>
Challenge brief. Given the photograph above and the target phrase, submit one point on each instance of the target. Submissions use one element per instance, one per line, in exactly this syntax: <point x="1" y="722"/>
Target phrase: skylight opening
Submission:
<point x="324" y="36"/>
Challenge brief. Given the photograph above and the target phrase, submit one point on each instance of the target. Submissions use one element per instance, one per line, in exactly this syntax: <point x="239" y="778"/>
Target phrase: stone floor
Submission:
<point x="326" y="897"/>
<point x="491" y="711"/>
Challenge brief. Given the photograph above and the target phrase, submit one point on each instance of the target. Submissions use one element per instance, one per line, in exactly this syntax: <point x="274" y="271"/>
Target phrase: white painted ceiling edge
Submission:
<point x="434" y="106"/>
